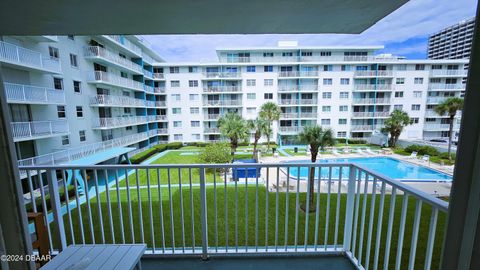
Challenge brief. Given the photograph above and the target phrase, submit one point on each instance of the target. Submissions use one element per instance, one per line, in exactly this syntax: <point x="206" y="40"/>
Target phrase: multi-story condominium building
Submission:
<point x="454" y="42"/>
<point x="71" y="97"/>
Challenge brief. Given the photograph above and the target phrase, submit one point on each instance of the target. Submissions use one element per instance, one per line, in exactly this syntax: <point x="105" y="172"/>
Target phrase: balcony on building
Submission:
<point x="372" y="87"/>
<point x="439" y="127"/>
<point x="369" y="101"/>
<point x="104" y="56"/>
<point x="116" y="101"/>
<point x="124" y="43"/>
<point x="222" y="88"/>
<point x="26" y="59"/>
<point x="24" y="131"/>
<point x="223" y="102"/>
<point x="118" y="122"/>
<point x="355" y="127"/>
<point x="110" y="79"/>
<point x="373" y="73"/>
<point x="289" y="129"/>
<point x="296" y="88"/>
<point x="30" y="94"/>
<point x="298" y="74"/>
<point x="211" y="130"/>
<point x="222" y="75"/>
<point x="448" y="73"/>
<point x="446" y="86"/>
<point x="382" y="114"/>
<point x="158" y="76"/>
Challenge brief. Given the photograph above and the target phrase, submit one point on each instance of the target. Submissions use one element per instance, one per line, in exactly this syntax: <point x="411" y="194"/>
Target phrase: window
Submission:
<point x="194" y="110"/>
<point x="325" y="53"/>
<point x="417" y="94"/>
<point x="82" y="135"/>
<point x="418" y="81"/>
<point x="430" y="120"/>
<point x="419" y="67"/>
<point x="307" y="53"/>
<point x="344" y="81"/>
<point x="53" y="52"/>
<point x="176" y="110"/>
<point x="342" y="134"/>
<point x="196" y="136"/>
<point x="65" y="140"/>
<point x="177" y="124"/>
<point x="61" y="112"/>
<point x="398" y="107"/>
<point x="267" y="82"/>
<point x="174" y="70"/>
<point x="268" y="54"/>
<point x="268" y="69"/>
<point x="399" y="94"/>
<point x="127" y="110"/>
<point x="176" y="97"/>
<point x="400" y="81"/>
<point x="343" y="108"/>
<point x="251" y="96"/>
<point x="327" y="95"/>
<point x="327" y="81"/>
<point x="123" y="74"/>
<point x="327" y="67"/>
<point x="72" y="37"/>
<point x="345" y="67"/>
<point x="287" y="54"/>
<point x="79" y="110"/>
<point x="251" y="82"/>
<point x="402" y="67"/>
<point x="268" y="96"/>
<point x="195" y="123"/>
<point x="343" y="94"/>
<point x="192" y="83"/>
<point x="73" y="60"/>
<point x="435" y="80"/>
<point x="192" y="69"/>
<point x="415" y="107"/>
<point x="251" y="110"/>
<point x="325" y="122"/>
<point x="436" y="66"/>
<point x="76" y="87"/>
<point x="129" y="128"/>
<point x="415" y="120"/>
<point x="194" y="97"/>
<point x="175" y="84"/>
<point x="177" y="137"/>
<point x="251" y="68"/>
<point x="342" y="121"/>
<point x="326" y="108"/>
<point x="58" y="83"/>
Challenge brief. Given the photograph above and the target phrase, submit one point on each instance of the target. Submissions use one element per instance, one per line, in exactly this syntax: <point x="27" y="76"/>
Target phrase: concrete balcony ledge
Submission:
<point x="123" y="42"/>
<point x="114" y="80"/>
<point x="24" y="131"/>
<point x="29" y="94"/>
<point x="116" y="101"/>
<point x="96" y="52"/>
<point x="222" y="88"/>
<point x="373" y="73"/>
<point x="11" y="54"/>
<point x="222" y="74"/>
<point x="222" y="102"/>
<point x="117" y="122"/>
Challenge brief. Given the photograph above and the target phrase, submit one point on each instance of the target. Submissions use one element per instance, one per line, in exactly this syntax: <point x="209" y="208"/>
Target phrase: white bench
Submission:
<point x="98" y="257"/>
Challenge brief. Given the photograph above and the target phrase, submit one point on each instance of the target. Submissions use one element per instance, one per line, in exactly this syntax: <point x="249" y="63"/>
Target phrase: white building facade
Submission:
<point x="70" y="96"/>
<point x="453" y="42"/>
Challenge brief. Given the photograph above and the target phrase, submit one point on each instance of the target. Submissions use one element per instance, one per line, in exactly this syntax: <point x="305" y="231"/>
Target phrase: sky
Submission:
<point x="404" y="32"/>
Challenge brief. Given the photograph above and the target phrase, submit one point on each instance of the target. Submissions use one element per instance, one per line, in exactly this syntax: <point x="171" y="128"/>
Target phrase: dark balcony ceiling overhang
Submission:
<point x="88" y="17"/>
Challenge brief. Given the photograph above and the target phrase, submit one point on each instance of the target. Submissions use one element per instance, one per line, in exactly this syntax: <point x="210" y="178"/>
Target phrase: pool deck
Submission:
<point x="434" y="189"/>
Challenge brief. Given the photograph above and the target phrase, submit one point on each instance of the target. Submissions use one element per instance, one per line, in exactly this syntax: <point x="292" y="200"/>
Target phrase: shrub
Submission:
<point x="160" y="147"/>
<point x="350" y="141"/>
<point x="202" y="144"/>
<point x="444" y="155"/>
<point x="422" y="150"/>
<point x="138" y="158"/>
<point x="174" y="145"/>
<point x="216" y="153"/>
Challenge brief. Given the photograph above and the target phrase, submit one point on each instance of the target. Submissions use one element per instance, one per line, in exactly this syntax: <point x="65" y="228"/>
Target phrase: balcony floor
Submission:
<point x="250" y="263"/>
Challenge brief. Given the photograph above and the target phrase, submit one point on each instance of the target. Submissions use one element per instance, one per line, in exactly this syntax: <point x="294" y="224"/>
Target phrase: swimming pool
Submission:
<point x="393" y="168"/>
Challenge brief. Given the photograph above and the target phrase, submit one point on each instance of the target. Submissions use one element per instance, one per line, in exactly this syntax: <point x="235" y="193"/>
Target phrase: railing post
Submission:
<point x="56" y="207"/>
<point x="203" y="214"/>
<point x="347" y="236"/>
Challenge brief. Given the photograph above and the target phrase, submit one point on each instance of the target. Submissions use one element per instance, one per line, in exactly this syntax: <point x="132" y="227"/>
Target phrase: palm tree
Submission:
<point x="395" y="124"/>
<point x="450" y="106"/>
<point x="234" y="127"/>
<point x="260" y="127"/>
<point x="317" y="138"/>
<point x="270" y="112"/>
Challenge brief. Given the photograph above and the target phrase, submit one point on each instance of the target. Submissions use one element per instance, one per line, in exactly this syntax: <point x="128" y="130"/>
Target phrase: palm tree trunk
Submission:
<point x="450" y="131"/>
<point x="311" y="176"/>
<point x="255" y="142"/>
<point x="268" y="142"/>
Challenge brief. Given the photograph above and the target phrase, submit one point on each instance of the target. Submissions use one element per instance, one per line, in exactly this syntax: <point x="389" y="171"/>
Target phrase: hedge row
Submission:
<point x="351" y="141"/>
<point x="140" y="157"/>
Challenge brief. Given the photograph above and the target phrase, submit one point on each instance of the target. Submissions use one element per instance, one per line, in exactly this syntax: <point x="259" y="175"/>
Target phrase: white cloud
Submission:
<point x="417" y="18"/>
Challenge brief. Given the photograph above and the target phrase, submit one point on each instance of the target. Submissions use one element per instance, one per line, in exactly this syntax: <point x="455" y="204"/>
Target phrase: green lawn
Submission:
<point x="247" y="229"/>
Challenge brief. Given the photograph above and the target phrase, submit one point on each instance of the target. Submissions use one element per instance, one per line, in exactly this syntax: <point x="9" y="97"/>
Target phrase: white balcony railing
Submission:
<point x="211" y="116"/>
<point x="116" y="122"/>
<point x="442" y="127"/>
<point x="370" y="114"/>
<point x="285" y="74"/>
<point x="362" y="127"/>
<point x="314" y="58"/>
<point x="162" y="131"/>
<point x="158" y="76"/>
<point x="211" y="130"/>
<point x="19" y="93"/>
<point x="161" y="117"/>
<point x="22" y="131"/>
<point x="149" y="89"/>
<point x="373" y="87"/>
<point x="17" y="55"/>
<point x="373" y="73"/>
<point x="99" y="52"/>
<point x="125" y="43"/>
<point x="446" y="86"/>
<point x="160" y="103"/>
<point x="435" y="100"/>
<point x="226" y="102"/>
<point x="289" y="115"/>
<point x="289" y="129"/>
<point x="296" y="88"/>
<point x="65" y="156"/>
<point x="159" y="90"/>
<point x="116" y="101"/>
<point x="223" y="74"/>
<point x="448" y="72"/>
<point x="147" y="73"/>
<point x="115" y="80"/>
<point x="370" y="100"/>
<point x="222" y="88"/>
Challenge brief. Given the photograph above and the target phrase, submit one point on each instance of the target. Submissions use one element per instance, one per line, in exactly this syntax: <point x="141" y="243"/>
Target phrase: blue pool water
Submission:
<point x="393" y="168"/>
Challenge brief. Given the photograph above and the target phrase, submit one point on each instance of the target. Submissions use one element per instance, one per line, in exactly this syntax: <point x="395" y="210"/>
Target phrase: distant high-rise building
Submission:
<point x="453" y="42"/>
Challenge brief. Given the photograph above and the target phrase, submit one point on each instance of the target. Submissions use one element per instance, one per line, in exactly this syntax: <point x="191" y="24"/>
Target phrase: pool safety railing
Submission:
<point x="377" y="222"/>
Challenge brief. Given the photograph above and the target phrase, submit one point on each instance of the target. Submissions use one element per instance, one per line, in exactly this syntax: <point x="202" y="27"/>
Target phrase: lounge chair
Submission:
<point x="369" y="151"/>
<point x="426" y="158"/>
<point x="414" y="155"/>
<point x="335" y="152"/>
<point x="346" y="150"/>
<point x="359" y="151"/>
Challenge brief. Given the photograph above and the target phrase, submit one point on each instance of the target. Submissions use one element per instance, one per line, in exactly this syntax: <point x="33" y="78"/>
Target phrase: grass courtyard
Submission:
<point x="238" y="217"/>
